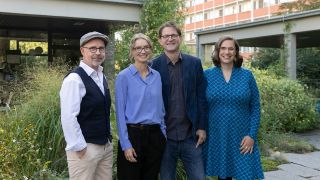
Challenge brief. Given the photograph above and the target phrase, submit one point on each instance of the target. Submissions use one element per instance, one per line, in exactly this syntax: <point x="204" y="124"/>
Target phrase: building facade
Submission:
<point x="208" y="14"/>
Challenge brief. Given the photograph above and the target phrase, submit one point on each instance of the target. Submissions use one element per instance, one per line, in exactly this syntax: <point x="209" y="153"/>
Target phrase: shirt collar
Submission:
<point x="169" y="61"/>
<point x="88" y="69"/>
<point x="134" y="70"/>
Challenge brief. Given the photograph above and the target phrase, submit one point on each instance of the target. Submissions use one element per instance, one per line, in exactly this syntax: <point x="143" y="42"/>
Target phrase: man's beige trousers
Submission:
<point x="96" y="163"/>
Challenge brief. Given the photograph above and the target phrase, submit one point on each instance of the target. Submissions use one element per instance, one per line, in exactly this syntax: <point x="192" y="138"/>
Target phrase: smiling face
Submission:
<point x="141" y="51"/>
<point x="170" y="40"/>
<point x="227" y="52"/>
<point x="93" y="59"/>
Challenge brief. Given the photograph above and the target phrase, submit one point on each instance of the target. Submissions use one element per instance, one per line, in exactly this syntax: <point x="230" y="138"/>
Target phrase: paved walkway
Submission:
<point x="300" y="166"/>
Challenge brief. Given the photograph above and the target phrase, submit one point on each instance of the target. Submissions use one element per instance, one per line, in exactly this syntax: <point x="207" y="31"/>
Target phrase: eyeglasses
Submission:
<point x="227" y="48"/>
<point x="94" y="49"/>
<point x="139" y="49"/>
<point x="173" y="36"/>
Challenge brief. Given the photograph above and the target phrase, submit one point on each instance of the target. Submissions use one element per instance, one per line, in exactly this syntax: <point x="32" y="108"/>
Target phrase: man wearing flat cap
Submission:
<point x="85" y="113"/>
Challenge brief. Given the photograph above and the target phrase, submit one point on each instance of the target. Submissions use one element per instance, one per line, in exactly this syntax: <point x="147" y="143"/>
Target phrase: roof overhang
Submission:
<point x="67" y="15"/>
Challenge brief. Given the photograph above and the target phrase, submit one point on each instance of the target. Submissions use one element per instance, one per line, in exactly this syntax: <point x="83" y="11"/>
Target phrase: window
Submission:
<point x="258" y="4"/>
<point x="208" y="15"/>
<point x="218" y="13"/>
<point x="187" y="4"/>
<point x="198" y="17"/>
<point x="274" y="2"/>
<point x="189" y="36"/>
<point x="196" y="2"/>
<point x="187" y="20"/>
<point x="230" y="10"/>
<point x="13" y="45"/>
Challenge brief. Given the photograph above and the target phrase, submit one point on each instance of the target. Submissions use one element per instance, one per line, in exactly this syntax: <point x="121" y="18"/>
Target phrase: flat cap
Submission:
<point x="93" y="35"/>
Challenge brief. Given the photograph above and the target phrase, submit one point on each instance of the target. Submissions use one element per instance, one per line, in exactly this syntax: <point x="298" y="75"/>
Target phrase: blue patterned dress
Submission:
<point x="234" y="112"/>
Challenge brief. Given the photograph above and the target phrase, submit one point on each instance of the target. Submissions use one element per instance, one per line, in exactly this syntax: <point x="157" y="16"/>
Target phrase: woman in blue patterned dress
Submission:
<point x="231" y="149"/>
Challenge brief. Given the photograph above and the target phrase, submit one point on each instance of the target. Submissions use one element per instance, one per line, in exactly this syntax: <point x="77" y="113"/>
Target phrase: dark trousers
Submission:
<point x="148" y="142"/>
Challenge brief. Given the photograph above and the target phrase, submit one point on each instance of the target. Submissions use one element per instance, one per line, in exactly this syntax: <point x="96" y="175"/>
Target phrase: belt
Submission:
<point x="144" y="126"/>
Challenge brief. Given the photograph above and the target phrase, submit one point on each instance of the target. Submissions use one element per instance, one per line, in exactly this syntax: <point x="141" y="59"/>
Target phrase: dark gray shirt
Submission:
<point x="178" y="125"/>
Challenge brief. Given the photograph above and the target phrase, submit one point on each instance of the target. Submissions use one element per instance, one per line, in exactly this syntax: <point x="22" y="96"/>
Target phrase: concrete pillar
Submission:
<point x="109" y="62"/>
<point x="200" y="50"/>
<point x="50" y="49"/>
<point x="291" y="64"/>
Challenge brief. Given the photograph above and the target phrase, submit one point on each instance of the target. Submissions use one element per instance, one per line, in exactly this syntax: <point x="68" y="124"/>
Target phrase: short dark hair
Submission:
<point x="215" y="54"/>
<point x="169" y="24"/>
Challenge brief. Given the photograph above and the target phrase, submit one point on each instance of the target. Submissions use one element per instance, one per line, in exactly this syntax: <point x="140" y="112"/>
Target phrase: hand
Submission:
<point x="201" y="136"/>
<point x="246" y="145"/>
<point x="130" y="155"/>
<point x="81" y="153"/>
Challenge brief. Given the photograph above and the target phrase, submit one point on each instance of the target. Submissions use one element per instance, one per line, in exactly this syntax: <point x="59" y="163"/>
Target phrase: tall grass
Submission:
<point x="31" y="138"/>
<point x="33" y="129"/>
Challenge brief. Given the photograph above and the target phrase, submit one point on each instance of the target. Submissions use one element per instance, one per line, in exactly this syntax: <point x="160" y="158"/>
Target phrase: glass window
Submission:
<point x="33" y="48"/>
<point x="218" y="13"/>
<point x="196" y="2"/>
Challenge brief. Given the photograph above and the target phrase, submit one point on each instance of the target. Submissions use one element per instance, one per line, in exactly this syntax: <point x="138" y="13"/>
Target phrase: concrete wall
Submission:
<point x="100" y="10"/>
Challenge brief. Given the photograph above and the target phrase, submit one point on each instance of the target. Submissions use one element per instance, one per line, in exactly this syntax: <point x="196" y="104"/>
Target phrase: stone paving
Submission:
<point x="301" y="166"/>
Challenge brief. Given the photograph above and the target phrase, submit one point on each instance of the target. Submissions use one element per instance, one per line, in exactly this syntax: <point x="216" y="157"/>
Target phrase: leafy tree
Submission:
<point x="265" y="57"/>
<point x="300" y="5"/>
<point x="308" y="64"/>
<point x="122" y="46"/>
<point x="153" y="14"/>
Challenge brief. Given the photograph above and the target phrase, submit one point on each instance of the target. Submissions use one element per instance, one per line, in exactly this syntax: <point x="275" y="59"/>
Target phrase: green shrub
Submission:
<point x="285" y="104"/>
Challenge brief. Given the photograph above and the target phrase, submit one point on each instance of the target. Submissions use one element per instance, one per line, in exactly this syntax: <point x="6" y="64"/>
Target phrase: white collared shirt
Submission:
<point x="71" y="94"/>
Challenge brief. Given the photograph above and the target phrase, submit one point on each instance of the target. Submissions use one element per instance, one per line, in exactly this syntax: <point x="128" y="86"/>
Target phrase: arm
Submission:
<point x="248" y="141"/>
<point x="120" y="101"/>
<point x="162" y="123"/>
<point x="70" y="100"/>
<point x="254" y="108"/>
<point x="202" y="104"/>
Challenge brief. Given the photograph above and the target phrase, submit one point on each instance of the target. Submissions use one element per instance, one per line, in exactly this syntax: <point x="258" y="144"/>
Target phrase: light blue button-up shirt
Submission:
<point x="138" y="101"/>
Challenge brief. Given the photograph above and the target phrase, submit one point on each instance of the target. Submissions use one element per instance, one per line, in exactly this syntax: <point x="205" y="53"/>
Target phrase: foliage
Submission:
<point x="308" y="64"/>
<point x="265" y="57"/>
<point x="269" y="165"/>
<point x="17" y="147"/>
<point x="299" y="5"/>
<point x="153" y="15"/>
<point x="34" y="142"/>
<point x="285" y="105"/>
<point x="31" y="134"/>
<point x="43" y="110"/>
<point x="123" y="46"/>
<point x="284" y="142"/>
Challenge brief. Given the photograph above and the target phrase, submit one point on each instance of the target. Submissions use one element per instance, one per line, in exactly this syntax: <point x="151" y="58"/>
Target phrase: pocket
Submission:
<point x="89" y="153"/>
<point x="83" y="156"/>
